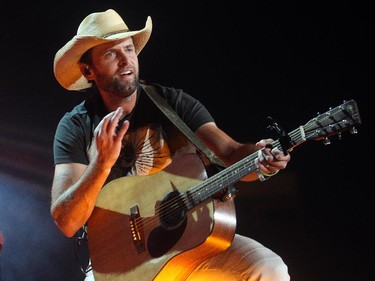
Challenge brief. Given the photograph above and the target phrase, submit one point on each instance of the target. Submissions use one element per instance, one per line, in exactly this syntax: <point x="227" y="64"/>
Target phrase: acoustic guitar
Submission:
<point x="161" y="226"/>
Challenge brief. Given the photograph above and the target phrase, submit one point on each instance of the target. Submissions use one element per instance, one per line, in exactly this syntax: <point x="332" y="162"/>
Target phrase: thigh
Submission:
<point x="245" y="259"/>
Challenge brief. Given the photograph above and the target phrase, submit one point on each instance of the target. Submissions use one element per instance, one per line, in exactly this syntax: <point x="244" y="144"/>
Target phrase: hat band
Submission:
<point x="115" y="32"/>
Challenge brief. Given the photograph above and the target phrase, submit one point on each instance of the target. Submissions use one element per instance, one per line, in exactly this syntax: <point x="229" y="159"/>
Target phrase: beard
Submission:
<point x="119" y="88"/>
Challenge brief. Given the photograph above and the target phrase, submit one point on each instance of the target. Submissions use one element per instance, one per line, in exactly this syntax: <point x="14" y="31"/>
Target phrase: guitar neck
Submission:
<point x="334" y="121"/>
<point x="235" y="172"/>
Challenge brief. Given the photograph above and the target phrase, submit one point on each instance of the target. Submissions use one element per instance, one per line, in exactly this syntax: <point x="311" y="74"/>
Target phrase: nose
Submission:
<point x="123" y="58"/>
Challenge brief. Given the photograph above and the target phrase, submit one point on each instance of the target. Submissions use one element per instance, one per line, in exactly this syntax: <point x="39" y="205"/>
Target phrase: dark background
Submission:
<point x="245" y="60"/>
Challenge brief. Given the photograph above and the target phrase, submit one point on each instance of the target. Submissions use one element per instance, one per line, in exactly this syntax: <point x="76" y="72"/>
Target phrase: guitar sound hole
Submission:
<point x="172" y="210"/>
<point x="162" y="240"/>
<point x="173" y="221"/>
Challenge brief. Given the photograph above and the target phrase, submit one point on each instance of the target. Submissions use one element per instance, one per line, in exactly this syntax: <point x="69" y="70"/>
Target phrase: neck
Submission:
<point x="113" y="102"/>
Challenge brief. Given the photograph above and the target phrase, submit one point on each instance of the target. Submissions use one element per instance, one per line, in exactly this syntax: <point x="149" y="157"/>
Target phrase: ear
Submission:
<point x="85" y="70"/>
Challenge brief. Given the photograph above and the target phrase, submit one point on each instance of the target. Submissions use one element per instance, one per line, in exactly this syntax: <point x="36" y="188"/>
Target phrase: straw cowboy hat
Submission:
<point x="95" y="29"/>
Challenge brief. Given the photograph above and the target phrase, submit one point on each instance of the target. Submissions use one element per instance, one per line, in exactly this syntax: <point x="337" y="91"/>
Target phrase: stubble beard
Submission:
<point x="121" y="89"/>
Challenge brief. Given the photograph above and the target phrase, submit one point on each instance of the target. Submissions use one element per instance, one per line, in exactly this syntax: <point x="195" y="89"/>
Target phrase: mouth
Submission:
<point x="126" y="73"/>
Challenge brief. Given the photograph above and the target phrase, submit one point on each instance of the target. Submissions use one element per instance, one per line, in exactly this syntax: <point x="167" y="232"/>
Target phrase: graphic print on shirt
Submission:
<point x="143" y="152"/>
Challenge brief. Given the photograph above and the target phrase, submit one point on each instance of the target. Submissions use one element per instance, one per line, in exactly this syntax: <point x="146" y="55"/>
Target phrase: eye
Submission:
<point x="109" y="54"/>
<point x="129" y="49"/>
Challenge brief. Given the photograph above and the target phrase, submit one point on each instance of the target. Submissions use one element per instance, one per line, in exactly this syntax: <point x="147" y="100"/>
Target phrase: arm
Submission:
<point x="231" y="151"/>
<point x="74" y="192"/>
<point x="76" y="186"/>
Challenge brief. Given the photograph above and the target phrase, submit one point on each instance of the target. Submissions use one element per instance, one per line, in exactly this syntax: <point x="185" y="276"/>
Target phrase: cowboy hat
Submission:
<point x="95" y="29"/>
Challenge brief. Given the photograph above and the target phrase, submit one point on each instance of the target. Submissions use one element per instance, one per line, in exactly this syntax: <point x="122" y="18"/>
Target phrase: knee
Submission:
<point x="270" y="270"/>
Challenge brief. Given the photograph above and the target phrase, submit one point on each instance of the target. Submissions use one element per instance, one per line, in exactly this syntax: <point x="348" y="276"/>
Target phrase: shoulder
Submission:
<point x="176" y="97"/>
<point x="88" y="111"/>
<point x="189" y="108"/>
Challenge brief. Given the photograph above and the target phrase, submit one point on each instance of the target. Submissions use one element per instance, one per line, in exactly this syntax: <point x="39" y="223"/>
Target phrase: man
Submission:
<point x="118" y="132"/>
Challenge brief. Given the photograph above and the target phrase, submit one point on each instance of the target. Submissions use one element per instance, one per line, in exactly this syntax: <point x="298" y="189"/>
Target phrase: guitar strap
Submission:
<point x="209" y="156"/>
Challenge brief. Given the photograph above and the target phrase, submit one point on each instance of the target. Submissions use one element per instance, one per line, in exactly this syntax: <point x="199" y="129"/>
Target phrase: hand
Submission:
<point x="270" y="159"/>
<point x="108" y="138"/>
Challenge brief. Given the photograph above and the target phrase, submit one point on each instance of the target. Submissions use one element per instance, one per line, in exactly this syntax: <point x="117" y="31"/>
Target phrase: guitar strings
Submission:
<point x="173" y="207"/>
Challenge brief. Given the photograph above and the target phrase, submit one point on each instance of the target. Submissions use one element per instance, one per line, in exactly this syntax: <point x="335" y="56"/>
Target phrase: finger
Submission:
<point x="279" y="155"/>
<point x="264" y="143"/>
<point x="264" y="160"/>
<point x="275" y="152"/>
<point x="272" y="160"/>
<point x="124" y="128"/>
<point x="261" y="144"/>
<point x="265" y="168"/>
<point x="103" y="124"/>
<point x="264" y="155"/>
<point x="114" y="121"/>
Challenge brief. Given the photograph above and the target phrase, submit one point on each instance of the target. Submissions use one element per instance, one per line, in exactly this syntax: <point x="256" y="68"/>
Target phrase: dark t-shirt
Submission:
<point x="148" y="145"/>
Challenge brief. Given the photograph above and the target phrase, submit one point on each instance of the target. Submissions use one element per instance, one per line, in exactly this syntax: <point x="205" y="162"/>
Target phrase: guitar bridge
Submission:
<point x="136" y="228"/>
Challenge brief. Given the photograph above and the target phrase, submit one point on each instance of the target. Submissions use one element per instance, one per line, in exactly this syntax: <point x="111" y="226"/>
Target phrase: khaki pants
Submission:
<point x="245" y="259"/>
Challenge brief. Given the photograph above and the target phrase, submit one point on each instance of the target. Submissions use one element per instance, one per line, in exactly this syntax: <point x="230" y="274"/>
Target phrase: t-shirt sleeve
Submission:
<point x="70" y="143"/>
<point x="190" y="109"/>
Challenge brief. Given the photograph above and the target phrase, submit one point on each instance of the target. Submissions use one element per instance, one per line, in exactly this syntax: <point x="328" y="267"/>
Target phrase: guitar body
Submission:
<point x="135" y="233"/>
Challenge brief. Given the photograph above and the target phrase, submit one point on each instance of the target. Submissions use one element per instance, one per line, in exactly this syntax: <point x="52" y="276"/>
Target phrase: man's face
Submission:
<point x="115" y="67"/>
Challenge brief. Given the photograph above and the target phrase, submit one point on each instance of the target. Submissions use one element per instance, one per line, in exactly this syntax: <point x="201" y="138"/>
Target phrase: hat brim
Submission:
<point x="66" y="62"/>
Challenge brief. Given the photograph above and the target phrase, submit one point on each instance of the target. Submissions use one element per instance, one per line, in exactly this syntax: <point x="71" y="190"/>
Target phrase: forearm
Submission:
<point x="72" y="208"/>
<point x="225" y="147"/>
